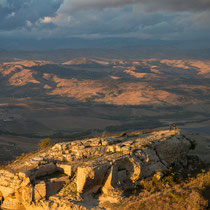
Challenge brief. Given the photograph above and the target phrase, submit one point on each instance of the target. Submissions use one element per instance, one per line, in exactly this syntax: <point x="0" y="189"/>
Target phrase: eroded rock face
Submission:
<point x="90" y="178"/>
<point x="103" y="166"/>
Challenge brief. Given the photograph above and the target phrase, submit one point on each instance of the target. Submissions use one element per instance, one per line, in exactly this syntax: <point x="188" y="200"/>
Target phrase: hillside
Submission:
<point x="111" y="94"/>
<point x="96" y="173"/>
<point x="116" y="82"/>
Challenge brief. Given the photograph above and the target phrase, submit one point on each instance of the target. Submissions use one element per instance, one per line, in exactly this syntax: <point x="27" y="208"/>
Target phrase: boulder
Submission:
<point x="130" y="165"/>
<point x="40" y="191"/>
<point x="150" y="162"/>
<point x="27" y="194"/>
<point x="25" y="182"/>
<point x="111" y="182"/>
<point x="66" y="168"/>
<point x="44" y="170"/>
<point x="11" y="203"/>
<point x="6" y="191"/>
<point x="90" y="178"/>
<point x="111" y="189"/>
<point x="55" y="185"/>
<point x="7" y="174"/>
<point x="173" y="150"/>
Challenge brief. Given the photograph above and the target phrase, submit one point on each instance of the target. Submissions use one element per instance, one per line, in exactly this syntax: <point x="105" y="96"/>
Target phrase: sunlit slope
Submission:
<point x="116" y="82"/>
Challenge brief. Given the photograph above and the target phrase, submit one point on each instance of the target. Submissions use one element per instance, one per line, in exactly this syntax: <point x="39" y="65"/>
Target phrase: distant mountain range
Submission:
<point x="132" y="52"/>
<point x="100" y="43"/>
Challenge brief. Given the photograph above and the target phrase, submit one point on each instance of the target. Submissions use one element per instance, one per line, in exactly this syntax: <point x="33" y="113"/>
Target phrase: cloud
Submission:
<point x="47" y="19"/>
<point x="29" y="23"/>
<point x="152" y="19"/>
<point x="149" y="5"/>
<point x="60" y="19"/>
<point x="12" y="14"/>
<point x="3" y="3"/>
<point x="24" y="11"/>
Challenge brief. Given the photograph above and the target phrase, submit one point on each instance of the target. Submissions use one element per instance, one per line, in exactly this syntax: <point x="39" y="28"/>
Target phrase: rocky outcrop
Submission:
<point x="68" y="173"/>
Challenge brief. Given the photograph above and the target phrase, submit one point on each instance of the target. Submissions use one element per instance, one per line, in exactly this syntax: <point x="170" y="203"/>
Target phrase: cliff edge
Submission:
<point x="82" y="174"/>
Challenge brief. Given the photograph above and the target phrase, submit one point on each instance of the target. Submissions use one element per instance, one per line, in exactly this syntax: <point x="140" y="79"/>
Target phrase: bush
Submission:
<point x="193" y="144"/>
<point x="44" y="143"/>
<point x="69" y="189"/>
<point x="123" y="134"/>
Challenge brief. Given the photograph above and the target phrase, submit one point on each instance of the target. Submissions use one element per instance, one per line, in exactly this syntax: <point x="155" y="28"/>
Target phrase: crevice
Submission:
<point x="160" y="158"/>
<point x="106" y="175"/>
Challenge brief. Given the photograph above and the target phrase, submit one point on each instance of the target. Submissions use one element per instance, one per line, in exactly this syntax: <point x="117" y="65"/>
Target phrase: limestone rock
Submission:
<point x="44" y="170"/>
<point x="173" y="150"/>
<point x="6" y="191"/>
<point x="27" y="194"/>
<point x="40" y="191"/>
<point x="104" y="166"/>
<point x="90" y="178"/>
<point x="55" y="185"/>
<point x="151" y="163"/>
<point x="111" y="181"/>
<point x="67" y="169"/>
<point x="11" y="203"/>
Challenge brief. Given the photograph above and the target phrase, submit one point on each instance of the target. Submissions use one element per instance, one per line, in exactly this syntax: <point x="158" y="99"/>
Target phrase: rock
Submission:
<point x="6" y="191"/>
<point x="111" y="149"/>
<point x="103" y="166"/>
<point x="37" y="159"/>
<point x="90" y="178"/>
<point x="66" y="169"/>
<point x="132" y="167"/>
<point x="109" y="141"/>
<point x="55" y="185"/>
<point x="151" y="163"/>
<point x="44" y="170"/>
<point x="25" y="182"/>
<point x="40" y="191"/>
<point x="111" y="181"/>
<point x="111" y="190"/>
<point x="173" y="150"/>
<point x="7" y="174"/>
<point x="11" y="203"/>
<point x="25" y="174"/>
<point x="122" y="176"/>
<point x="27" y="195"/>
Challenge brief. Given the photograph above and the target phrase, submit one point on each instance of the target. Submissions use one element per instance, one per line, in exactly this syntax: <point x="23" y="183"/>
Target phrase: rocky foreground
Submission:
<point x="84" y="174"/>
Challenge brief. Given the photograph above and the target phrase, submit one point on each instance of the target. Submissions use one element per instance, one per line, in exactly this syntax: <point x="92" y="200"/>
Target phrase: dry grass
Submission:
<point x="172" y="192"/>
<point x="69" y="189"/>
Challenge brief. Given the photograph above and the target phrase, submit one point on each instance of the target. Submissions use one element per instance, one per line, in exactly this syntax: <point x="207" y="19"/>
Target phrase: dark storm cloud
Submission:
<point x="155" y="19"/>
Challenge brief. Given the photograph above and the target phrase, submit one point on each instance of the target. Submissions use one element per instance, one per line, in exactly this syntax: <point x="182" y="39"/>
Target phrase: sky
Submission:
<point x="95" y="19"/>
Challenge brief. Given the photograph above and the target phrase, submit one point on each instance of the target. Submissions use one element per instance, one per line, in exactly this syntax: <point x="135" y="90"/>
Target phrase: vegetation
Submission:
<point x="174" y="191"/>
<point x="193" y="144"/>
<point x="44" y="143"/>
<point x="69" y="189"/>
<point x="123" y="134"/>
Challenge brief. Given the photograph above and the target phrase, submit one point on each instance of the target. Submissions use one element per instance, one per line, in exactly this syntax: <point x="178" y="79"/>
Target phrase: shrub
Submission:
<point x="104" y="134"/>
<point x="69" y="189"/>
<point x="193" y="144"/>
<point x="123" y="134"/>
<point x="44" y="143"/>
<point x="21" y="156"/>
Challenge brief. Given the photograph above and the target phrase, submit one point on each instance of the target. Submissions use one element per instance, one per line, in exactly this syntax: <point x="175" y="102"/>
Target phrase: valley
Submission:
<point x="87" y="96"/>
